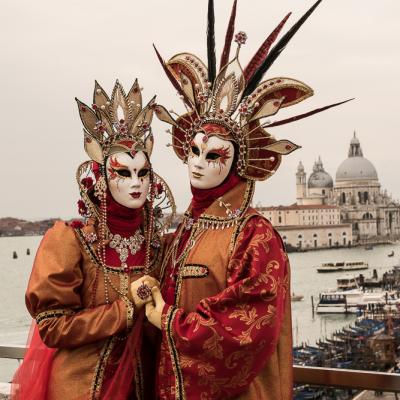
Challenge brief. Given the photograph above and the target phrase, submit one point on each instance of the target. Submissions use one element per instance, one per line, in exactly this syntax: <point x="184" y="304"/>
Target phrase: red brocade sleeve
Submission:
<point x="55" y="295"/>
<point x="217" y="350"/>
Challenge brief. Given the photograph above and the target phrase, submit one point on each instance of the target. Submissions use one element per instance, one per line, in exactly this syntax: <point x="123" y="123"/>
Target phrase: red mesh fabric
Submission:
<point x="30" y="380"/>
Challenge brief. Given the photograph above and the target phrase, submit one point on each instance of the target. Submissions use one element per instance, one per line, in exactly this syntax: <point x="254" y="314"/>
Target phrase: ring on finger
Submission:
<point x="143" y="291"/>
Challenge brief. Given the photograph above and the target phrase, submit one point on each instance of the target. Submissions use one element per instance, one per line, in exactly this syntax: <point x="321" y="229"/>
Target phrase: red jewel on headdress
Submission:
<point x="205" y="138"/>
<point x="240" y="38"/>
<point x="145" y="126"/>
<point x="288" y="147"/>
<point x="94" y="106"/>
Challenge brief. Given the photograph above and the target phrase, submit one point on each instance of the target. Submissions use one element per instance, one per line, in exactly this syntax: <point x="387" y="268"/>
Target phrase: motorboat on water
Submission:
<point x="350" y="298"/>
<point x="349" y="302"/>
<point x="343" y="266"/>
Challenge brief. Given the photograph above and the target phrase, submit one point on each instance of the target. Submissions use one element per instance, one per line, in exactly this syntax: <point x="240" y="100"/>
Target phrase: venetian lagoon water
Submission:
<point x="15" y="321"/>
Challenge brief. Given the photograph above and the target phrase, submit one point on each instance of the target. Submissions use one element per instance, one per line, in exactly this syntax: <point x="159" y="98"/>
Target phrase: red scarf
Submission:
<point x="122" y="220"/>
<point x="203" y="198"/>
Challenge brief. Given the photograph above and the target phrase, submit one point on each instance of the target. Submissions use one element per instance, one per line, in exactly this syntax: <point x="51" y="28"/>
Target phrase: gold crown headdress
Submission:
<point x="235" y="99"/>
<point x="117" y="124"/>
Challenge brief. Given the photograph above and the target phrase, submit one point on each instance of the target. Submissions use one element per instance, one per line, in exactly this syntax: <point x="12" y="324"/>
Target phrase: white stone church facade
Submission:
<point x="353" y="209"/>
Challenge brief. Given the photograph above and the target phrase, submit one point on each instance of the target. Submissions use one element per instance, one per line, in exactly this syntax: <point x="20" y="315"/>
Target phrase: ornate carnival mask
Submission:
<point x="210" y="160"/>
<point x="128" y="178"/>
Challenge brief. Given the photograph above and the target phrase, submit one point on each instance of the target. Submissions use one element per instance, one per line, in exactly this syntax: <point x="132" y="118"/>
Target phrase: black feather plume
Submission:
<point x="212" y="62"/>
<point x="277" y="50"/>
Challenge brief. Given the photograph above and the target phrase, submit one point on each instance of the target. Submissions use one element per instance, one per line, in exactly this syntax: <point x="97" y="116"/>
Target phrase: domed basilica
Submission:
<point x="357" y="193"/>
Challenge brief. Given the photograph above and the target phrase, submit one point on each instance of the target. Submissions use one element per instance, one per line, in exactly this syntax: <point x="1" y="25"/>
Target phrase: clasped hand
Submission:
<point x="154" y="303"/>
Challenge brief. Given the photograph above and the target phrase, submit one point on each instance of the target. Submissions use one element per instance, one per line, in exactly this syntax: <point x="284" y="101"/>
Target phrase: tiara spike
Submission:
<point x="100" y="97"/>
<point x="134" y="98"/>
<point x="119" y="102"/>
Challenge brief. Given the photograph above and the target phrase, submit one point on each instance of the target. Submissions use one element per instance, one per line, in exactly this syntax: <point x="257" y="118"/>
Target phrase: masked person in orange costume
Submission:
<point x="224" y="305"/>
<point x="90" y="281"/>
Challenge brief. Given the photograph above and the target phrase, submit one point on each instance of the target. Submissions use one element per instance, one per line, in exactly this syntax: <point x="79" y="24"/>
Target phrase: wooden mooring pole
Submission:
<point x="312" y="305"/>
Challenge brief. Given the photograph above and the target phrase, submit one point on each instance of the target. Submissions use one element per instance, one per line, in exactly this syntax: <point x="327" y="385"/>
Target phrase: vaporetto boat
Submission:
<point x="343" y="266"/>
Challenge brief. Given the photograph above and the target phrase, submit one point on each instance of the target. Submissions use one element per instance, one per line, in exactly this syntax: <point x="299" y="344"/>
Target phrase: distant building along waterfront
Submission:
<point x="351" y="210"/>
<point x="306" y="226"/>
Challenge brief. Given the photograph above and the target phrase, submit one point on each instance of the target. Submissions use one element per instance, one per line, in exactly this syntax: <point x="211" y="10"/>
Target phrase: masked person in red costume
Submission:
<point x="90" y="281"/>
<point x="224" y="304"/>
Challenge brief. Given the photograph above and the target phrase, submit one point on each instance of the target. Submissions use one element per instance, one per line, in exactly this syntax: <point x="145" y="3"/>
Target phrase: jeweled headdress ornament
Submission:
<point x="116" y="124"/>
<point x="236" y="99"/>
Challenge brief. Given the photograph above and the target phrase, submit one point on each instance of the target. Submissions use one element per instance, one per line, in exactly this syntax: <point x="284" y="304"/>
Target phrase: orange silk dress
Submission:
<point x="84" y="311"/>
<point x="227" y="334"/>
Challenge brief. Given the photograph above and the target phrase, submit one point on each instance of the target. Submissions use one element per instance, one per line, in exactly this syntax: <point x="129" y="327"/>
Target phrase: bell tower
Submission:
<point x="301" y="188"/>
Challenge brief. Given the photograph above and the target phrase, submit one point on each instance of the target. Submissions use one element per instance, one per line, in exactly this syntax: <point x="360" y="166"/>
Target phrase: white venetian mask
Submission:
<point x="209" y="161"/>
<point x="128" y="178"/>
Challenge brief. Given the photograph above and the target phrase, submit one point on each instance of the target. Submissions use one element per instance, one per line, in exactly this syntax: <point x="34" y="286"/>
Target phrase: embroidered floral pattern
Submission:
<point x="223" y="344"/>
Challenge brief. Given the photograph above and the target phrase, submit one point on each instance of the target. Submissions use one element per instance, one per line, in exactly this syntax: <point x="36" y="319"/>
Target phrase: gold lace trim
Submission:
<point x="59" y="312"/>
<point x="167" y="325"/>
<point x="100" y="368"/>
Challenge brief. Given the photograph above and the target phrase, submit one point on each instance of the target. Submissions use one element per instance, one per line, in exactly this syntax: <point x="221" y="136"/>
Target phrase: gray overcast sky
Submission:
<point x="52" y="51"/>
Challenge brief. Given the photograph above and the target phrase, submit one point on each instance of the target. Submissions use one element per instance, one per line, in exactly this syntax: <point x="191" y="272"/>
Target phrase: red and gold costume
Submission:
<point x="79" y="313"/>
<point x="226" y="325"/>
<point x="87" y="334"/>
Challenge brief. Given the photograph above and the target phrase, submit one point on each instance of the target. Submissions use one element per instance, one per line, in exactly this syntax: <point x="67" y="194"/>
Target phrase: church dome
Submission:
<point x="356" y="167"/>
<point x="319" y="177"/>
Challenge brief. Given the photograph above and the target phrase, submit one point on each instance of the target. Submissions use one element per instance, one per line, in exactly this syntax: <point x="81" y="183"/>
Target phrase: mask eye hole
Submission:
<point x="143" y="172"/>
<point x="195" y="150"/>
<point x="123" y="173"/>
<point x="212" y="156"/>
